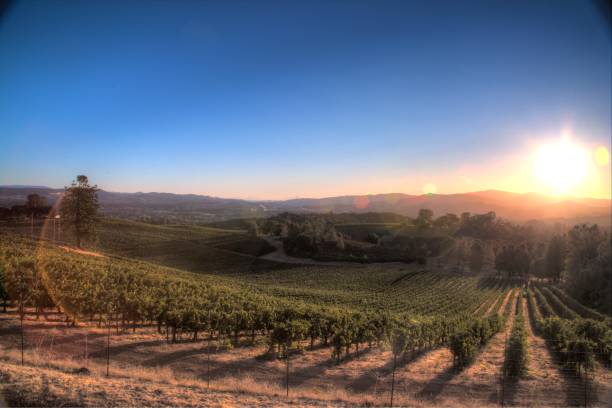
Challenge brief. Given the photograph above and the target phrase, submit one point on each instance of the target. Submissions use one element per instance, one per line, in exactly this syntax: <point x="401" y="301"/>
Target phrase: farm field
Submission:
<point x="165" y="329"/>
<point x="188" y="247"/>
<point x="363" y="378"/>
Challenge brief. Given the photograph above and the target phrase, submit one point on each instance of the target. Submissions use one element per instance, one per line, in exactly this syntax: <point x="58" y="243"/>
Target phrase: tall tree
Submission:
<point x="79" y="208"/>
<point x="583" y="249"/>
<point x="589" y="266"/>
<point x="555" y="258"/>
<point x="449" y="220"/>
<point x="476" y="257"/>
<point x="35" y="201"/>
<point x="424" y="219"/>
<point x="514" y="260"/>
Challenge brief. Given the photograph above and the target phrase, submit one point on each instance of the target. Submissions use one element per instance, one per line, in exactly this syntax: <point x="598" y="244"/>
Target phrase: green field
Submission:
<point x="189" y="247"/>
<point x="191" y="254"/>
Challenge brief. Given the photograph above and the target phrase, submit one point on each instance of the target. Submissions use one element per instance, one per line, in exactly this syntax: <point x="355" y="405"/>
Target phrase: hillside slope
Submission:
<point x="201" y="208"/>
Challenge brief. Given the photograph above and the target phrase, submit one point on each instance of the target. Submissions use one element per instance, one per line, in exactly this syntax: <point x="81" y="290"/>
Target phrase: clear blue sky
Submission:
<point x="281" y="99"/>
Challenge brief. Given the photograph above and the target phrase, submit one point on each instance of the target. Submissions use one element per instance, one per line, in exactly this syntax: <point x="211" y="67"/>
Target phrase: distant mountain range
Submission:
<point x="201" y="208"/>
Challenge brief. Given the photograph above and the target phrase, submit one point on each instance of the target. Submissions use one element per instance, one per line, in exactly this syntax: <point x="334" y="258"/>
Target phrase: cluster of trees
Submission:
<point x="34" y="207"/>
<point x="581" y="262"/>
<point x="303" y="235"/>
<point x="513" y="260"/>
<point x="517" y="250"/>
<point x="589" y="267"/>
<point x="488" y="226"/>
<point x="78" y="209"/>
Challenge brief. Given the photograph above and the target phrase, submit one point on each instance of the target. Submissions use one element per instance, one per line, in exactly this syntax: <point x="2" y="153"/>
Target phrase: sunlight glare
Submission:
<point x="602" y="156"/>
<point x="430" y="188"/>
<point x="561" y="166"/>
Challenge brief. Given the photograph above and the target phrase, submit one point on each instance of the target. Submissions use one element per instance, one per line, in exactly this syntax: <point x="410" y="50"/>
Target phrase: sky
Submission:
<point x="273" y="100"/>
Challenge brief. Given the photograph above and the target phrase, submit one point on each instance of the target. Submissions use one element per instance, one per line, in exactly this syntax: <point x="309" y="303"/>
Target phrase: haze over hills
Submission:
<point x="202" y="208"/>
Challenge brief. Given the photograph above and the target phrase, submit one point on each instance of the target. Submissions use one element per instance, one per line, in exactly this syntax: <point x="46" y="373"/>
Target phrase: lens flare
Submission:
<point x="602" y="156"/>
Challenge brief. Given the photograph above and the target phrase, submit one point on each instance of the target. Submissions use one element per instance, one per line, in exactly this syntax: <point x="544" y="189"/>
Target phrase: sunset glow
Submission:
<point x="346" y="102"/>
<point x="271" y="203"/>
<point x="429" y="188"/>
<point x="602" y="156"/>
<point x="562" y="166"/>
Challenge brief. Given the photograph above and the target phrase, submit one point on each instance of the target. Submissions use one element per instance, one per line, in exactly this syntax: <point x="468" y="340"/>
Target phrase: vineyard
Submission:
<point x="580" y="339"/>
<point x="188" y="247"/>
<point x="137" y="292"/>
<point x="330" y="322"/>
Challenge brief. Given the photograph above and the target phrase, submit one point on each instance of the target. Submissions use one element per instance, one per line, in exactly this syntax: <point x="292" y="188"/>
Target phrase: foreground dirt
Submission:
<point x="480" y="381"/>
<point x="147" y="371"/>
<point x="36" y="386"/>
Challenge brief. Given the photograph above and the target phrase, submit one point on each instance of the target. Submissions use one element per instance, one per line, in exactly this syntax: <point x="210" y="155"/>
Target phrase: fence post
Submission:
<point x="503" y="387"/>
<point x="108" y="349"/>
<point x="287" y="371"/>
<point x="393" y="378"/>
<point x="503" y="379"/>
<point x="210" y="331"/>
<point x="586" y="382"/>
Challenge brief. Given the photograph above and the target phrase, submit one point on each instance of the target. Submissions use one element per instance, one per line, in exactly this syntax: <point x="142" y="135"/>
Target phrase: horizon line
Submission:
<point x="560" y="198"/>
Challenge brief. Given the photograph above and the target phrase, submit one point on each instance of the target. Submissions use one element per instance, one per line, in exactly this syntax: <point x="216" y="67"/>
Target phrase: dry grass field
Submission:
<point x="67" y="366"/>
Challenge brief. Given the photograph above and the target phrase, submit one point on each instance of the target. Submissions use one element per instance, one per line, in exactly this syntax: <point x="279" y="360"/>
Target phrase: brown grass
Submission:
<point x="146" y="371"/>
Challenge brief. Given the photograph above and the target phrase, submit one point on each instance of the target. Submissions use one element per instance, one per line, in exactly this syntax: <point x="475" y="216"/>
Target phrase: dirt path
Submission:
<point x="479" y="383"/>
<point x="279" y="255"/>
<point x="602" y="386"/>
<point x="82" y="252"/>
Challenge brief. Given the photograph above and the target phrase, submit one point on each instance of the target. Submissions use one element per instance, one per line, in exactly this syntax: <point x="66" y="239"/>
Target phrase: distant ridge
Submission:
<point x="22" y="186"/>
<point x="515" y="206"/>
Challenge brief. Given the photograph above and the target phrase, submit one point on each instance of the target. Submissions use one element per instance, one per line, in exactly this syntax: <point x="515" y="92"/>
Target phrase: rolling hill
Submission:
<point x="201" y="208"/>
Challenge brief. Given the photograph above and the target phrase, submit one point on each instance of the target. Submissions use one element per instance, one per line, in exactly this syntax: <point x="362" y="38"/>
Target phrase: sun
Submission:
<point x="561" y="167"/>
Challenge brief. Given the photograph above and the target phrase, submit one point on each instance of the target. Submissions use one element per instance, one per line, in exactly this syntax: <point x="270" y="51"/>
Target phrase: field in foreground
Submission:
<point x="338" y="326"/>
<point x="67" y="366"/>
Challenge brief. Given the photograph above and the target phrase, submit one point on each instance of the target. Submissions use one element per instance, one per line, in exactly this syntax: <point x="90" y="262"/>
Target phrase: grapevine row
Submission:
<point x="516" y="354"/>
<point x="131" y="293"/>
